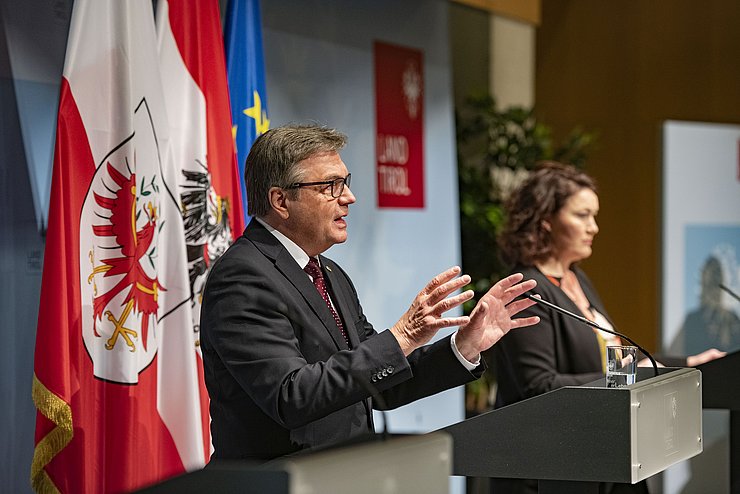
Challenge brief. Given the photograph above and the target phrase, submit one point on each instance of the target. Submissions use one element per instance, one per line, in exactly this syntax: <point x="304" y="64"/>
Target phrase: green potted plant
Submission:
<point x="496" y="149"/>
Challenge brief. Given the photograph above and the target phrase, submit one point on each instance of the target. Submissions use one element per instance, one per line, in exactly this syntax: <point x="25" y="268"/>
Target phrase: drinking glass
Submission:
<point x="621" y="366"/>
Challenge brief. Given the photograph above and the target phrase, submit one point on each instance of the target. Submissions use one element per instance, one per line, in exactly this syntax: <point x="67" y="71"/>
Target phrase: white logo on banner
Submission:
<point x="412" y="88"/>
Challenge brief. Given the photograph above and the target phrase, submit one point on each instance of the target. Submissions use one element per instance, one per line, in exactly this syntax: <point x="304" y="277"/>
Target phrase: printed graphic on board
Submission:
<point x="712" y="282"/>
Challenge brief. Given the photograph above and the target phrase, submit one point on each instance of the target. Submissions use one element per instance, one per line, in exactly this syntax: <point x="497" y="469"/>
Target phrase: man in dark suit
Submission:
<point x="290" y="359"/>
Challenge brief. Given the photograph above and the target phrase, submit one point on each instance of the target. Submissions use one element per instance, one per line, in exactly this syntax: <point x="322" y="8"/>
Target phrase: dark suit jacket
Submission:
<point x="279" y="374"/>
<point x="559" y="351"/>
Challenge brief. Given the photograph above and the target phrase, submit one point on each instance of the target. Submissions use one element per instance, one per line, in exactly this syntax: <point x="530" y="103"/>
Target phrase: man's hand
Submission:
<point x="424" y="318"/>
<point x="493" y="316"/>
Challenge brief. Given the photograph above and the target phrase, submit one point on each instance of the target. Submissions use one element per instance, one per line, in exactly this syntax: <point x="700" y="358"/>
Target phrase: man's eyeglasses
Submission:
<point x="336" y="186"/>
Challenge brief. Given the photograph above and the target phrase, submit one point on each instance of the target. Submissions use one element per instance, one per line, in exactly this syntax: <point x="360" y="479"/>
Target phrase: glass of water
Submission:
<point x="621" y="366"/>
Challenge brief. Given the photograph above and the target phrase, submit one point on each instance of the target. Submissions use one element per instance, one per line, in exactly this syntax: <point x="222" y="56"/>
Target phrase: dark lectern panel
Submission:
<point x="551" y="436"/>
<point x="720" y="380"/>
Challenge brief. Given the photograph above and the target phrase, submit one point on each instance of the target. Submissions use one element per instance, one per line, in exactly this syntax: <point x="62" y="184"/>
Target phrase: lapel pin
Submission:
<point x="328" y="268"/>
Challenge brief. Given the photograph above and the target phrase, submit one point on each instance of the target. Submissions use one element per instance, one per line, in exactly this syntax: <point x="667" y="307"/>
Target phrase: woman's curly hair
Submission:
<point x="524" y="240"/>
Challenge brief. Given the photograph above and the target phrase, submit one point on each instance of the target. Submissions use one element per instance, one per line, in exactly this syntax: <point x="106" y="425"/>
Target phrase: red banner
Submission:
<point x="399" y="117"/>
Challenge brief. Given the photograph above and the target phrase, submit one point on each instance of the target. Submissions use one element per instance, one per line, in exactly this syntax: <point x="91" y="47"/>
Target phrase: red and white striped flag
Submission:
<point x="116" y="380"/>
<point x="191" y="54"/>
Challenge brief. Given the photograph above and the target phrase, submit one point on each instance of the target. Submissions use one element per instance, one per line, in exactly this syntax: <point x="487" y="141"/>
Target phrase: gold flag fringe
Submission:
<point x="60" y="413"/>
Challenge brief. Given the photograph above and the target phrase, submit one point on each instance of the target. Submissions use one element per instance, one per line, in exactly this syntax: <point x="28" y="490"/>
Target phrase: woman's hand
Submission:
<point x="704" y="357"/>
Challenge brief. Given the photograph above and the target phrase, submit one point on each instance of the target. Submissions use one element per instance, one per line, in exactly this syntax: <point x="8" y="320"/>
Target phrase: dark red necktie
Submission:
<point x="314" y="270"/>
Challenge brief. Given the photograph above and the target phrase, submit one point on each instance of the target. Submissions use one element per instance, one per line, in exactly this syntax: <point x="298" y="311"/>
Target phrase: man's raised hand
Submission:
<point x="493" y="316"/>
<point x="425" y="316"/>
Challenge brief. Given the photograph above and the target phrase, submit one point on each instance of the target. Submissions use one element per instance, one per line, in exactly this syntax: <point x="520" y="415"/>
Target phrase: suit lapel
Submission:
<point x="287" y="265"/>
<point x="592" y="295"/>
<point x="560" y="297"/>
<point x="284" y="262"/>
<point x="341" y="304"/>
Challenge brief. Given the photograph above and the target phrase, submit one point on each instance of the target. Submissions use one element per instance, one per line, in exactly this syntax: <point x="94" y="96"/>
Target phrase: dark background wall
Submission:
<point x="622" y="68"/>
<point x="469" y="45"/>
<point x="21" y="258"/>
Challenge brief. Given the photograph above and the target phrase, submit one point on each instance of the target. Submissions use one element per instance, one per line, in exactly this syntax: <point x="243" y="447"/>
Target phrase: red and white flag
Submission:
<point x="116" y="382"/>
<point x="197" y="98"/>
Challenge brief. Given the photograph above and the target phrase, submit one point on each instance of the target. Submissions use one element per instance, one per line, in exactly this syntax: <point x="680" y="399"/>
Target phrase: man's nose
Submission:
<point x="347" y="196"/>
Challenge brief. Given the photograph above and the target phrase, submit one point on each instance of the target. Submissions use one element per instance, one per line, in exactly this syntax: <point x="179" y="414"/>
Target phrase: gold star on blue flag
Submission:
<point x="246" y="73"/>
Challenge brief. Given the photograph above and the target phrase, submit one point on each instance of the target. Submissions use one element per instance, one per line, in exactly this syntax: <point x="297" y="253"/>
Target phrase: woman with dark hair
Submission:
<point x="551" y="225"/>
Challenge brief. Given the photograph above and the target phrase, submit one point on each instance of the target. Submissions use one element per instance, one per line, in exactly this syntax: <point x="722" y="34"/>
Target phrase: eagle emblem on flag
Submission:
<point x="132" y="223"/>
<point x="121" y="246"/>
<point x="207" y="232"/>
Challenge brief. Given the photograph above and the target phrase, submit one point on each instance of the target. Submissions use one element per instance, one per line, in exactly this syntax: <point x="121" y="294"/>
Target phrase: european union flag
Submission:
<point x="245" y="68"/>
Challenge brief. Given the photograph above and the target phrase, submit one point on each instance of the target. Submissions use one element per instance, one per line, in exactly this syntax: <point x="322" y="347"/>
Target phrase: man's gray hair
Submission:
<point x="274" y="157"/>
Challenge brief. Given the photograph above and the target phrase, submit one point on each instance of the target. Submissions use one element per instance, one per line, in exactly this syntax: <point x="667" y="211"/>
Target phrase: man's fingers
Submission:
<point x="441" y="279"/>
<point x="508" y="282"/>
<point x="517" y="306"/>
<point x="524" y="322"/>
<point x="446" y="288"/>
<point x="446" y="322"/>
<point x="451" y="302"/>
<point x="516" y="290"/>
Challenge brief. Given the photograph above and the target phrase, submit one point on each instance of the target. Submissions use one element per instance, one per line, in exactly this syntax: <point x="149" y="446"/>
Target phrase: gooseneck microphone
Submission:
<point x="594" y="325"/>
<point x="727" y="289"/>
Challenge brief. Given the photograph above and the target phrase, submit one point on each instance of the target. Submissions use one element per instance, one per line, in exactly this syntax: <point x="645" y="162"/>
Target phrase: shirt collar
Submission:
<point x="293" y="249"/>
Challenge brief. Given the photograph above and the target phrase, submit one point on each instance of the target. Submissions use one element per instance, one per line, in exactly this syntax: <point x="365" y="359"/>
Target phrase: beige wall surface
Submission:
<point x="622" y="68"/>
<point x="524" y="10"/>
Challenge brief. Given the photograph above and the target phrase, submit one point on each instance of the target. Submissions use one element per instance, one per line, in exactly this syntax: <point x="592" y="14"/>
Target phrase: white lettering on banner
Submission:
<point x="394" y="180"/>
<point x="392" y="149"/>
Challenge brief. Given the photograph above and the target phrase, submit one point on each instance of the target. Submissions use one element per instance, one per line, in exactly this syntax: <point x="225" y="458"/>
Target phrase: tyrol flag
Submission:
<point x="116" y="372"/>
<point x="246" y="71"/>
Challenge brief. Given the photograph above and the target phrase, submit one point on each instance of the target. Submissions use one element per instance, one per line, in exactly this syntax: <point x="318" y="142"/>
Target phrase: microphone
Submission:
<point x="727" y="289"/>
<point x="594" y="325"/>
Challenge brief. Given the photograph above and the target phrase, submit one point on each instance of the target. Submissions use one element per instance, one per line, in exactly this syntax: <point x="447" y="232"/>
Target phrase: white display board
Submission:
<point x="700" y="251"/>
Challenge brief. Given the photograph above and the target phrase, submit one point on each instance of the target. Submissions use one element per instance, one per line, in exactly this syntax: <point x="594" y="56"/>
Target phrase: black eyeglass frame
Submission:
<point x="337" y="182"/>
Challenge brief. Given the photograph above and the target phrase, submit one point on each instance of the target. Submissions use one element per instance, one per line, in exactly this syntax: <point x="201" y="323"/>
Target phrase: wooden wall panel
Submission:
<point x="622" y="68"/>
<point x="523" y="10"/>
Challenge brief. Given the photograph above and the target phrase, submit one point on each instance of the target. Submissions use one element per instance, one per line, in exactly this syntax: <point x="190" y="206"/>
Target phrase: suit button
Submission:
<point x="390" y="369"/>
<point x="385" y="373"/>
<point x="374" y="378"/>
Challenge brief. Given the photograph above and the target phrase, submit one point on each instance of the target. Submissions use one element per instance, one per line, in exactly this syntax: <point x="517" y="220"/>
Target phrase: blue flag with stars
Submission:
<point x="245" y="68"/>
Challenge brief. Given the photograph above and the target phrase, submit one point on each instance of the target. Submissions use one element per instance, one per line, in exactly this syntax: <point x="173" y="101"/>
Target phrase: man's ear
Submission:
<point x="279" y="202"/>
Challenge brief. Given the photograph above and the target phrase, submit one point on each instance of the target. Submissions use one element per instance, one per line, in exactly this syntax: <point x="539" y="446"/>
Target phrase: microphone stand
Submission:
<point x="593" y="324"/>
<point x="727" y="289"/>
